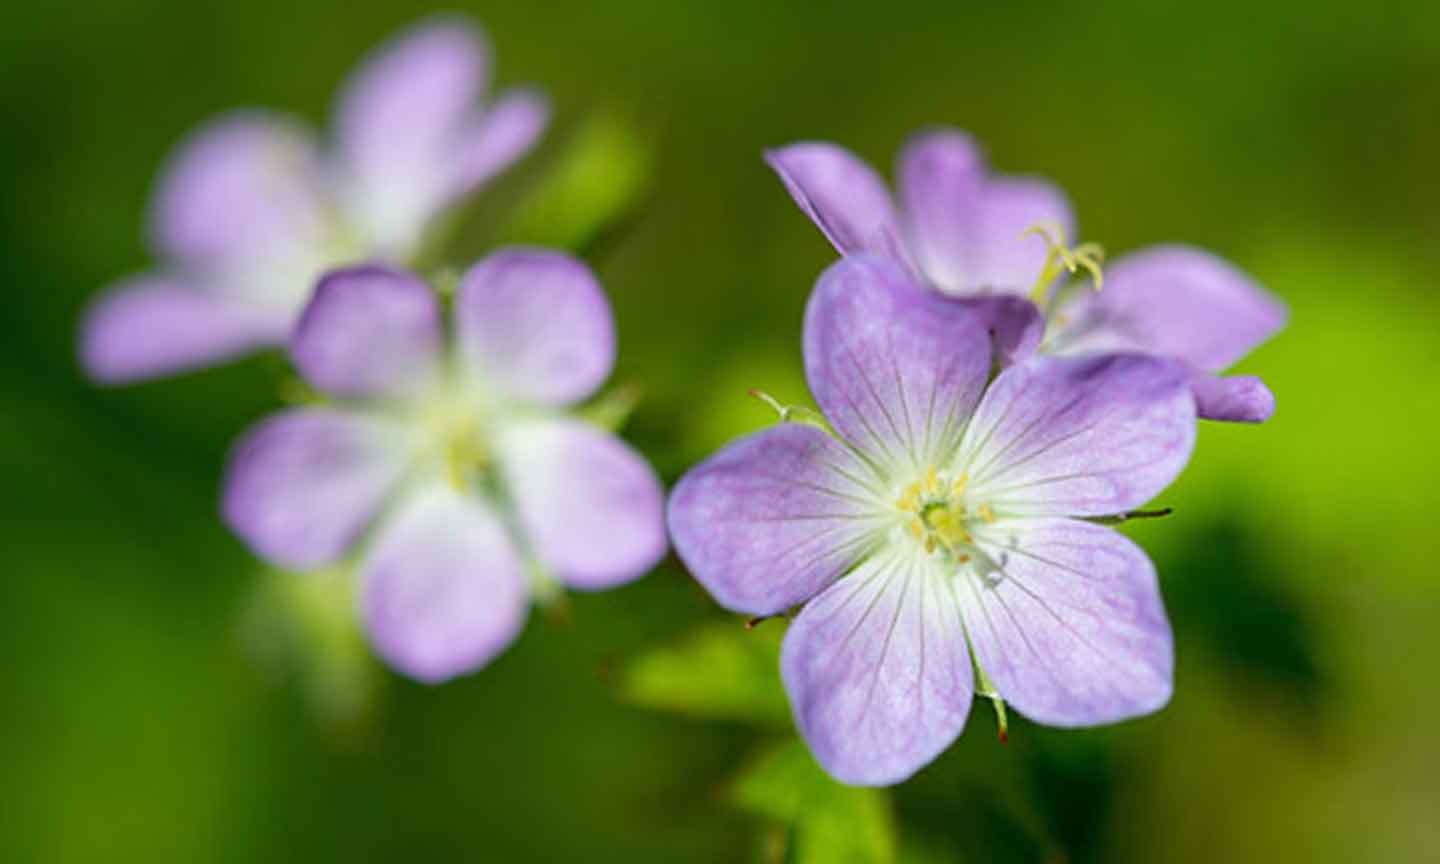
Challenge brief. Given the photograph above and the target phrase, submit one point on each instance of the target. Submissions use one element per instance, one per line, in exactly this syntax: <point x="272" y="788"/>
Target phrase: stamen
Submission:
<point x="958" y="487"/>
<point x="917" y="528"/>
<point x="910" y="498"/>
<point x="931" y="481"/>
<point x="985" y="512"/>
<point x="1061" y="258"/>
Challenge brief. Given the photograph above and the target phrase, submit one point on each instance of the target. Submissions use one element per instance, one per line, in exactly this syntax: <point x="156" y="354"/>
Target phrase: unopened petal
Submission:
<point x="842" y="195"/>
<point x="1235" y="398"/>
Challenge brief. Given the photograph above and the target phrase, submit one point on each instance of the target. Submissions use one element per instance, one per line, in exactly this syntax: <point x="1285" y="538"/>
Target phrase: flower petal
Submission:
<point x="241" y="187"/>
<point x="965" y="226"/>
<point x="152" y="325"/>
<point x="1177" y="301"/>
<point x="369" y="331"/>
<point x="302" y="485"/>
<point x="1015" y="324"/>
<point x="591" y="507"/>
<point x="506" y="131"/>
<point x="1237" y="398"/>
<point x="878" y="671"/>
<point x="1079" y="436"/>
<point x="772" y="518"/>
<point x="536" y="324"/>
<point x="1070" y="626"/>
<point x="842" y="195"/>
<point x="896" y="368"/>
<point x="444" y="590"/>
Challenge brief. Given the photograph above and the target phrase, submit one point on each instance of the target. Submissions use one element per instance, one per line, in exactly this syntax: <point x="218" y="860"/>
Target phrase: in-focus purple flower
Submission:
<point x="450" y="465"/>
<point x="963" y="230"/>
<point x="251" y="209"/>
<point x="944" y="527"/>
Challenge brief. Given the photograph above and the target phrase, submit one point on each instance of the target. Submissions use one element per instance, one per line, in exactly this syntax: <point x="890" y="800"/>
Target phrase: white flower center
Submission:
<point x="939" y="514"/>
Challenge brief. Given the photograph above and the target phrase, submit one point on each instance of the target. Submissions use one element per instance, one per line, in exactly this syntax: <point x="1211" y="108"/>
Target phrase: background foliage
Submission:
<point x="150" y="708"/>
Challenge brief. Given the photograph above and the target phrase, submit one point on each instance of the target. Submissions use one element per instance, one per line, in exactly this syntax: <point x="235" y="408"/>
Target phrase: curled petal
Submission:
<point x="444" y="591"/>
<point x="369" y="331"/>
<point x="537" y="325"/>
<point x="592" y="508"/>
<point x="302" y="485"/>
<point x="1237" y="398"/>
<point x="896" y="368"/>
<point x="965" y="226"/>
<point x="244" y="186"/>
<point x="1082" y="436"/>
<point x="878" y="671"/>
<point x="842" y="195"/>
<point x="1067" y="621"/>
<point x="774" y="517"/>
<point x="151" y="326"/>
<point x="1176" y="301"/>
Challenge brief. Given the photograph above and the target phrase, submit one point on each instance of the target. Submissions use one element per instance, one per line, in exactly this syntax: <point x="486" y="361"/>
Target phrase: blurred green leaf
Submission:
<point x="826" y="821"/>
<point x="593" y="187"/>
<point x="720" y="670"/>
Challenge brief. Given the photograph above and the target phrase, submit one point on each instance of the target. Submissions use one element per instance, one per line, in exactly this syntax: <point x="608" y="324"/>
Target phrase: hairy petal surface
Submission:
<point x="1081" y="436"/>
<point x="1237" y="398"/>
<point x="896" y="368"/>
<point x="444" y="590"/>
<point x="369" y="331"/>
<point x="878" y="671"/>
<point x="1176" y="301"/>
<point x="243" y="186"/>
<point x="774" y="517"/>
<point x="536" y="324"/>
<point x="592" y="507"/>
<point x="842" y="195"/>
<point x="1068" y="622"/>
<point x="153" y="325"/>
<point x="302" y="485"/>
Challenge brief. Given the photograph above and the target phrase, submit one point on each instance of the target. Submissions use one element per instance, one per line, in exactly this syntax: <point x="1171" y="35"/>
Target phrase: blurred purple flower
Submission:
<point x="943" y="521"/>
<point x="461" y="458"/>
<point x="251" y="209"/>
<point x="963" y="230"/>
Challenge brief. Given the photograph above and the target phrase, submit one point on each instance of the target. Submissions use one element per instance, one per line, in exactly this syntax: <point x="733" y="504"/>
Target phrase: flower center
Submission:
<point x="939" y="514"/>
<point x="456" y="443"/>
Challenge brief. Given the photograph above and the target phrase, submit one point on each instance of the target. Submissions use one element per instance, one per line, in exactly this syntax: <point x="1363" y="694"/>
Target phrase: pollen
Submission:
<point x="938" y="514"/>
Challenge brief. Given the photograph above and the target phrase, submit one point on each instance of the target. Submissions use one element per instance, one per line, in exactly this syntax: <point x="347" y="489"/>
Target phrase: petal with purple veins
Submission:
<point x="842" y="195"/>
<point x="303" y="485"/>
<point x="369" y="331"/>
<point x="591" y="507"/>
<point x="878" y="670"/>
<point x="774" y="517"/>
<point x="153" y="325"/>
<point x="1082" y="436"/>
<point x="443" y="588"/>
<point x="896" y="368"/>
<point x="535" y="324"/>
<point x="1066" y="619"/>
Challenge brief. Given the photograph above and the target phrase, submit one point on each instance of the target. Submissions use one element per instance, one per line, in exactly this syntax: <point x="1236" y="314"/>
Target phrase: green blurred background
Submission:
<point x="151" y="704"/>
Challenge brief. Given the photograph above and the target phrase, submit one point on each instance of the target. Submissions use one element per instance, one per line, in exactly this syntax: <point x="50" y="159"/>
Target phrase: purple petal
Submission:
<point x="896" y="368"/>
<point x="1069" y="626"/>
<point x="1079" y="436"/>
<point x="444" y="590"/>
<point x="592" y="508"/>
<point x="504" y="133"/>
<point x="151" y="325"/>
<point x="1177" y="301"/>
<point x="772" y="518"/>
<point x="842" y="195"/>
<point x="369" y="331"/>
<point x="302" y="485"/>
<point x="536" y="324"/>
<point x="966" y="227"/>
<point x="411" y="97"/>
<point x="243" y="186"/>
<point x="1015" y="324"/>
<point x="878" y="671"/>
<point x="1238" y="398"/>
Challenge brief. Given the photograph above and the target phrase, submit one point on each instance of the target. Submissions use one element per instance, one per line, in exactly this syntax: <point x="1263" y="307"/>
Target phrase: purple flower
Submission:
<point x="453" y="472"/>
<point x="963" y="230"/>
<point x="943" y="527"/>
<point x="251" y="210"/>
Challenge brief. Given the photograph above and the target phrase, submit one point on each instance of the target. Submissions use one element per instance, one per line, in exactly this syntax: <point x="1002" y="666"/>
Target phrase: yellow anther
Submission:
<point x="910" y="498"/>
<point x="1061" y="258"/>
<point x="958" y="487"/>
<point x="917" y="528"/>
<point x="932" y="482"/>
<point x="985" y="512"/>
<point x="929" y="545"/>
<point x="962" y="558"/>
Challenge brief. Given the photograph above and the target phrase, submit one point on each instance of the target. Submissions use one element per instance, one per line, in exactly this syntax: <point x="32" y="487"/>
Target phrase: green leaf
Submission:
<point x="721" y="670"/>
<point x="826" y="820"/>
<point x="593" y="186"/>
